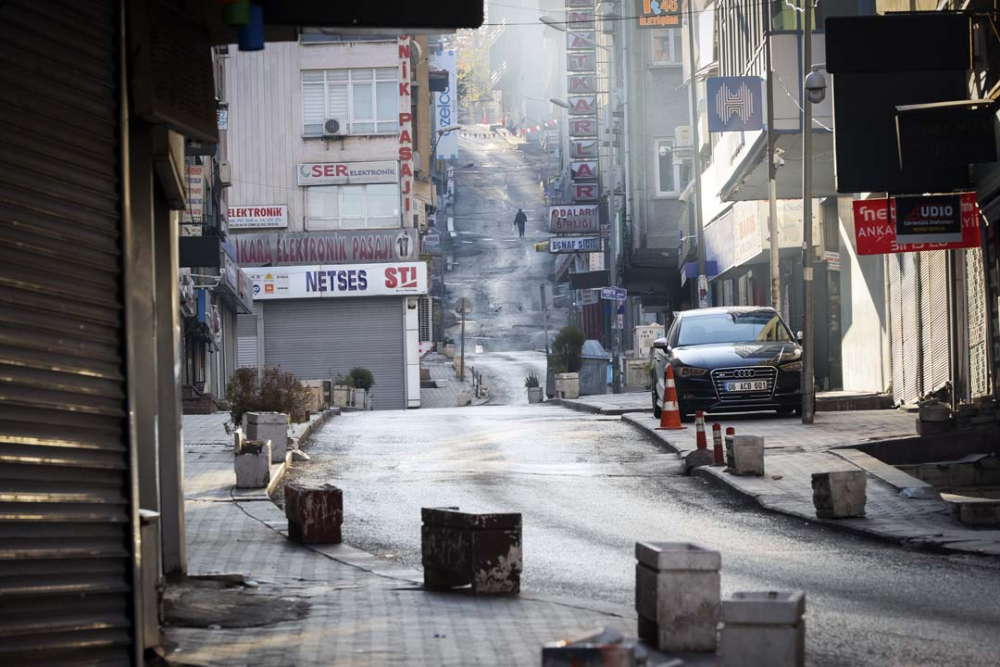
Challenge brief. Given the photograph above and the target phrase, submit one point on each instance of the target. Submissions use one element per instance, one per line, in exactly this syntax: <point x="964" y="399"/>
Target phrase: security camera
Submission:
<point x="778" y="160"/>
<point x="815" y="86"/>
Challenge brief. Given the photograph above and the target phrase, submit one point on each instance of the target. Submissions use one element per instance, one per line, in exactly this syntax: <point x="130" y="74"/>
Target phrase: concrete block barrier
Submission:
<point x="315" y="513"/>
<point x="839" y="495"/>
<point x="696" y="459"/>
<point x="677" y="595"/>
<point x="764" y="629"/>
<point x="481" y="550"/>
<point x="568" y="385"/>
<point x="745" y="454"/>
<point x="271" y="426"/>
<point x="253" y="464"/>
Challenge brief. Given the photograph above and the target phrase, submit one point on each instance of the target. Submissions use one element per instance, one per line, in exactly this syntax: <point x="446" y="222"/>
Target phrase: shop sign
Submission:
<point x="832" y="260"/>
<point x="875" y="227"/>
<point x="574" y="219"/>
<point x="580" y="19"/>
<point x="929" y="219"/>
<point x="583" y="148"/>
<point x="719" y="243"/>
<point x="432" y="241"/>
<point x="588" y="297"/>
<point x="574" y="244"/>
<point x="584" y="40"/>
<point x="258" y="217"/>
<point x="585" y="192"/>
<point x="582" y="105"/>
<point x="614" y="293"/>
<point x="405" y="129"/>
<point x="222" y="117"/>
<point x="583" y="127"/>
<point x="580" y="4"/>
<point x="583" y="171"/>
<point x="195" y="177"/>
<point x="338" y="281"/>
<point x="347" y="173"/>
<point x="348" y="247"/>
<point x="735" y="103"/>
<point x="748" y="241"/>
<point x="581" y="84"/>
<point x="581" y="61"/>
<point x="446" y="104"/>
<point x="658" y="13"/>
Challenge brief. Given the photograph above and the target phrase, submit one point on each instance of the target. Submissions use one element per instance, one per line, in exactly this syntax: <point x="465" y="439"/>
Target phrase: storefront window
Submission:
<point x="374" y="206"/>
<point x="365" y="101"/>
<point x="667" y="47"/>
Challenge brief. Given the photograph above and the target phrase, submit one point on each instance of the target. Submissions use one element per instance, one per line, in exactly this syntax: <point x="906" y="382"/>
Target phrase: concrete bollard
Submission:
<point x="745" y="454"/>
<point x="464" y="397"/>
<point x="840" y="495"/>
<point x="271" y="426"/>
<point x="253" y="465"/>
<point x="483" y="550"/>
<point x="677" y="595"/>
<point x="315" y="513"/>
<point x="764" y="629"/>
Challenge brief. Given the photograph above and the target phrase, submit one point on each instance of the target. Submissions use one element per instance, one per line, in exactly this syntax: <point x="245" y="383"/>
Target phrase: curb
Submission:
<point x="580" y="406"/>
<point x="769" y="502"/>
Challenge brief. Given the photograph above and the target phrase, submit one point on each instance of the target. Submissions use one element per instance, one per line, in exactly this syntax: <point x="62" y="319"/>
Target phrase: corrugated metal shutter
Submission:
<point x="911" y="353"/>
<point x="318" y="339"/>
<point x="425" y="319"/>
<point x="895" y="305"/>
<point x="246" y="340"/>
<point x="65" y="532"/>
<point x="937" y="334"/>
<point x="975" y="281"/>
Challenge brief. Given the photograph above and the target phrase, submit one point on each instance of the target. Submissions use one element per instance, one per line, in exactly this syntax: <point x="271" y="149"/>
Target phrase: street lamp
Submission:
<point x="433" y="157"/>
<point x="814" y="89"/>
<point x="555" y="25"/>
<point x="559" y="103"/>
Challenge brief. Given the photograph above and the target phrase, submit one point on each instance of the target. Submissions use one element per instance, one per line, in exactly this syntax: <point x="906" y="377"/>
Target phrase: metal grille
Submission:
<point x="65" y="512"/>
<point x="979" y="383"/>
<point x="895" y="307"/>
<point x="246" y="341"/>
<point x="746" y="374"/>
<point x="911" y="334"/>
<point x="937" y="338"/>
<point x="424" y="317"/>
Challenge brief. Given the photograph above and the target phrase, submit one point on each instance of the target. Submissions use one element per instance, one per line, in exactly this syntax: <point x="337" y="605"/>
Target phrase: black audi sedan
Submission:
<point x="729" y="360"/>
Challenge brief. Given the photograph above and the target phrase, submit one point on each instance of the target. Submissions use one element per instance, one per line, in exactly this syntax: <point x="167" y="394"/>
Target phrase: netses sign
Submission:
<point x="338" y="281"/>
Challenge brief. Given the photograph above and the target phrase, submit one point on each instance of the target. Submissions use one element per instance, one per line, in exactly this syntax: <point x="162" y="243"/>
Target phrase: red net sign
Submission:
<point x="875" y="228"/>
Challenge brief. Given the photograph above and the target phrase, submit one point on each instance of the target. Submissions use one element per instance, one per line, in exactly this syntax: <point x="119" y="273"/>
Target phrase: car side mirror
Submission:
<point x="799" y="337"/>
<point x="661" y="344"/>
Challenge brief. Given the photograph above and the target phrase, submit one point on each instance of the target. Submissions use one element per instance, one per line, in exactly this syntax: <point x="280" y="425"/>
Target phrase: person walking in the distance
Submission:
<point x="519" y="220"/>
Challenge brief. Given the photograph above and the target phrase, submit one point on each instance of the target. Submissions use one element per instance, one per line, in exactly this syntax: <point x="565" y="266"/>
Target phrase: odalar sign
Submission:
<point x="574" y="219"/>
<point x="574" y="244"/>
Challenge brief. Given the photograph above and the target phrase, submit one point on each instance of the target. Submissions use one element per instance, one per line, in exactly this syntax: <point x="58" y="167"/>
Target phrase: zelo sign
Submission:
<point x="875" y="224"/>
<point x="574" y="219"/>
<point x="338" y="281"/>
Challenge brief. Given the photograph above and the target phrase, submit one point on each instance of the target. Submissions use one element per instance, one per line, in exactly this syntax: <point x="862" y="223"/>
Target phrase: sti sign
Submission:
<point x="338" y="281"/>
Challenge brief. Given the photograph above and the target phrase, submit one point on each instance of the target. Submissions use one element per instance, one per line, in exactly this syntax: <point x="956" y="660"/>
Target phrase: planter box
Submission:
<point x="764" y="629"/>
<point x="359" y="399"/>
<point x="449" y="351"/>
<point x="840" y="495"/>
<point x="315" y="513"/>
<point x="677" y="595"/>
<point x="271" y="426"/>
<point x="568" y="385"/>
<point x="534" y="394"/>
<point x="459" y="549"/>
<point x="253" y="465"/>
<point x="745" y="454"/>
<point x="341" y="396"/>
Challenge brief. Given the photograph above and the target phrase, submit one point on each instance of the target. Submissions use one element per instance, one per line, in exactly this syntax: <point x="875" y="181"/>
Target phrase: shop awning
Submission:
<point x="749" y="179"/>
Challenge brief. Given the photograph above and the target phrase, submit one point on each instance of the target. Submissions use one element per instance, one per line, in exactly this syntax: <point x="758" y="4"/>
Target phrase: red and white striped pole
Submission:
<point x="717" y="451"/>
<point x="699" y="423"/>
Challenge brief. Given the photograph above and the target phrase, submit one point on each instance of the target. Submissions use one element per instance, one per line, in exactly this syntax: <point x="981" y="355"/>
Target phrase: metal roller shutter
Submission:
<point x="895" y="299"/>
<point x="979" y="377"/>
<point x="937" y="336"/>
<point x="912" y="349"/>
<point x="65" y="531"/>
<point x="317" y="339"/>
<point x="246" y="341"/>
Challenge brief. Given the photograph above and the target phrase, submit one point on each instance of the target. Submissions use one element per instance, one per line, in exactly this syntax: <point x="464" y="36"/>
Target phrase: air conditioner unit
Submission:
<point x="334" y="128"/>
<point x="225" y="178"/>
<point x="683" y="137"/>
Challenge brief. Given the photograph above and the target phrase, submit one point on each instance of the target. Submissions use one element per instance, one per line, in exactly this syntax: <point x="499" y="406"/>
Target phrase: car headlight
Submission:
<point x="794" y="366"/>
<point x="690" y="371"/>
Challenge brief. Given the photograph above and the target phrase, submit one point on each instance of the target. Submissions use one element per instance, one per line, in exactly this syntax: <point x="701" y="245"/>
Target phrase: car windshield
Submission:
<point x="744" y="327"/>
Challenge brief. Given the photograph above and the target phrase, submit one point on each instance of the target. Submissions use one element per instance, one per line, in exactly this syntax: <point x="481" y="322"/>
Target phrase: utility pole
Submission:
<point x="772" y="172"/>
<point x="545" y="316"/>
<point x="808" y="382"/>
<point x="696" y="165"/>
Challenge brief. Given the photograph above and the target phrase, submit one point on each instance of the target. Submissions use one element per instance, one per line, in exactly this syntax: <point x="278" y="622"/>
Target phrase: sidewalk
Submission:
<point x="793" y="451"/>
<point x="642" y="401"/>
<point x="328" y="605"/>
<point x="449" y="386"/>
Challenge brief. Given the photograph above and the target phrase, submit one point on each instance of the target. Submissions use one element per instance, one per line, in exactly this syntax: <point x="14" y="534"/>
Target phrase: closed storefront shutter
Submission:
<point x="246" y="340"/>
<point x="937" y="334"/>
<point x="65" y="530"/>
<point x="318" y="339"/>
<point x="979" y="381"/>
<point x="911" y="352"/>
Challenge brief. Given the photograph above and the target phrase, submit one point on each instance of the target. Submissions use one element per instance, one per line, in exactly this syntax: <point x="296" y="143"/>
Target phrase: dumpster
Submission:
<point x="594" y="371"/>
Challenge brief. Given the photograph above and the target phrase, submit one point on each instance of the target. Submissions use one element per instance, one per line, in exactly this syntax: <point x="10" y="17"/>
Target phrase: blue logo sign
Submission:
<point x="614" y="293"/>
<point x="735" y="104"/>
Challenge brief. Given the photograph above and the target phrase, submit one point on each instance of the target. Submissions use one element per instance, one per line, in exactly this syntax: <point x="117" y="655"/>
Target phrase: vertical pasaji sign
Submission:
<point x="405" y="131"/>
<point x="581" y="86"/>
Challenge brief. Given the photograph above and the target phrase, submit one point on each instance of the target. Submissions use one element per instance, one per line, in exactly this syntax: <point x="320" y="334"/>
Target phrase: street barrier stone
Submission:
<point x="677" y="595"/>
<point x="315" y="513"/>
<point x="462" y="549"/>
<point x="271" y="426"/>
<point x="696" y="459"/>
<point x="763" y="629"/>
<point x="341" y="396"/>
<point x="253" y="464"/>
<point x="568" y="385"/>
<point x="745" y="454"/>
<point x="840" y="495"/>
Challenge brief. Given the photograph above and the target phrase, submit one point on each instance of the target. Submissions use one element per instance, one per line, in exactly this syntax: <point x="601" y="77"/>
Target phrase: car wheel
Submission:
<point x="657" y="411"/>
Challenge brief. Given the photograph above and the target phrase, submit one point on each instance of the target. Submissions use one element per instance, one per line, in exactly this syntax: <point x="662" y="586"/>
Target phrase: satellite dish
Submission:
<point x="463" y="306"/>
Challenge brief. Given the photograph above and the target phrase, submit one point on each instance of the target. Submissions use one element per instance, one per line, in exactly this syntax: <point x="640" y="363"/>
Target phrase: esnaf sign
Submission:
<point x="258" y="217"/>
<point x="344" y="281"/>
<point x="875" y="225"/>
<point x="574" y="219"/>
<point x="347" y="173"/>
<point x="560" y="244"/>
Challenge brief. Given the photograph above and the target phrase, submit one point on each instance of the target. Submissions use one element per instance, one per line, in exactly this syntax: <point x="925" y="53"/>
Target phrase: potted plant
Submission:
<point x="532" y="387"/>
<point x="567" y="351"/>
<point x="342" y="387"/>
<point x="449" y="348"/>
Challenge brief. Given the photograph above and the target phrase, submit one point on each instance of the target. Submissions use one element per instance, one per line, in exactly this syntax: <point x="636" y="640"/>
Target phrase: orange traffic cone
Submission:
<point x="670" y="416"/>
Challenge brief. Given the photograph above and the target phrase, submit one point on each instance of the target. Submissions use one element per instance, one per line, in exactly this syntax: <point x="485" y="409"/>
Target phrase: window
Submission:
<point x="738" y="327"/>
<point x="667" y="46"/>
<point x="366" y="99"/>
<point x="374" y="206"/>
<point x="671" y="177"/>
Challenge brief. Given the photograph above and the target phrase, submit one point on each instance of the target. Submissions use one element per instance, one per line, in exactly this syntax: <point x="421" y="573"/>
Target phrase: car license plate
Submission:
<point x="749" y="385"/>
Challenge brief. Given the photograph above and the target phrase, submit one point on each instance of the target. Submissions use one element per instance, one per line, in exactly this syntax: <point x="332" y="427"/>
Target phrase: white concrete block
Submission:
<point x="568" y="385"/>
<point x="763" y="629"/>
<point x="745" y="454"/>
<point x="271" y="426"/>
<point x="840" y="495"/>
<point x="253" y="465"/>
<point x="677" y="595"/>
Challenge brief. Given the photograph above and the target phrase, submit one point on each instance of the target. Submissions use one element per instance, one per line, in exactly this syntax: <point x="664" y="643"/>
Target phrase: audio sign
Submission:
<point x="929" y="219"/>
